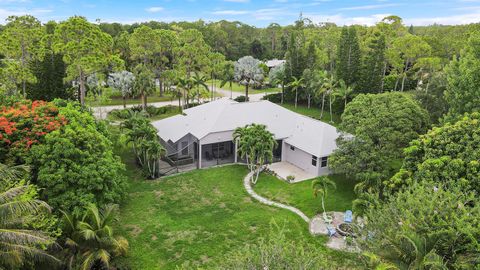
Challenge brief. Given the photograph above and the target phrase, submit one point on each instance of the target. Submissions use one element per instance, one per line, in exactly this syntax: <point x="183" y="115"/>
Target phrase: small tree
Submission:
<point x="144" y="83"/>
<point x="256" y="145"/>
<point x="90" y="237"/>
<point x="248" y="72"/>
<point x="228" y="76"/>
<point x="296" y="84"/>
<point x="320" y="187"/>
<point x="123" y="82"/>
<point x="277" y="76"/>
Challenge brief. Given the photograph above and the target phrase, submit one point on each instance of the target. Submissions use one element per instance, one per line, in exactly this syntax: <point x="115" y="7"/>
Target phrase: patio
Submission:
<point x="284" y="169"/>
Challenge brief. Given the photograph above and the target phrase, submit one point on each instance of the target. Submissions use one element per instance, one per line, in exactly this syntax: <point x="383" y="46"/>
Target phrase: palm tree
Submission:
<point x="153" y="152"/>
<point x="343" y="91"/>
<point x="256" y="144"/>
<point x="19" y="245"/>
<point x="295" y="85"/>
<point x="328" y="86"/>
<point x="199" y="81"/>
<point x="228" y="76"/>
<point x="320" y="187"/>
<point x="90" y="238"/>
<point x="412" y="252"/>
<point x="184" y="84"/>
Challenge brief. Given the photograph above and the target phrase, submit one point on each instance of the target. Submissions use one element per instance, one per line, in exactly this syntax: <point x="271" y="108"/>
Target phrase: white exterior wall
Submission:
<point x="299" y="158"/>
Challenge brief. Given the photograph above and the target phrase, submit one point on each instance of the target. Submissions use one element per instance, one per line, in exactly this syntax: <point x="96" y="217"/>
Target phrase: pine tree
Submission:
<point x="348" y="66"/>
<point x="373" y="64"/>
<point x="295" y="57"/>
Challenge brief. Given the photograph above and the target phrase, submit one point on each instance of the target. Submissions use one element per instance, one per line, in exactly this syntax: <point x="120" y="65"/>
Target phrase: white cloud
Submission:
<point x="154" y="9"/>
<point x="369" y="7"/>
<point x="339" y="19"/>
<point x="230" y="12"/>
<point x="467" y="18"/>
<point x="5" y="13"/>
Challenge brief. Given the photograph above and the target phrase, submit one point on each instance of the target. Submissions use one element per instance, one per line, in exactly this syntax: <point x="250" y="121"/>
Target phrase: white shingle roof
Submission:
<point x="305" y="133"/>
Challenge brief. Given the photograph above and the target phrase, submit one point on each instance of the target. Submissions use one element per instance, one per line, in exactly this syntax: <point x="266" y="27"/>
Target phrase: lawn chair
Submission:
<point x="348" y="216"/>
<point x="331" y="231"/>
<point x="328" y="219"/>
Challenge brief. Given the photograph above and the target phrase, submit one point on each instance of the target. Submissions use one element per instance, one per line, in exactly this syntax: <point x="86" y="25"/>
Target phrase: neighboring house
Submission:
<point x="273" y="63"/>
<point x="208" y="129"/>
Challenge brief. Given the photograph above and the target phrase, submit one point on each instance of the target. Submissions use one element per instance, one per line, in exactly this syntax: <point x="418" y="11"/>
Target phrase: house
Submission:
<point x="203" y="135"/>
<point x="273" y="63"/>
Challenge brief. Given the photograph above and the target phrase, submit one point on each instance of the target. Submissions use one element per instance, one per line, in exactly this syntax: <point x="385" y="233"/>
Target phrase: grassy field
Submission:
<point x="313" y="112"/>
<point x="195" y="218"/>
<point x="241" y="88"/>
<point x="301" y="196"/>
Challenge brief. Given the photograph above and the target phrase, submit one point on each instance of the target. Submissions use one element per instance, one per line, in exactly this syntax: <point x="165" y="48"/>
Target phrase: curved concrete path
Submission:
<point x="251" y="192"/>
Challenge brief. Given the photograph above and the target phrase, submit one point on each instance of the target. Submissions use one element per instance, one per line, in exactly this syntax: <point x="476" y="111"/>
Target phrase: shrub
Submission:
<point x="151" y="111"/>
<point x="276" y="98"/>
<point x="240" y="99"/>
<point x="24" y="124"/>
<point x="75" y="164"/>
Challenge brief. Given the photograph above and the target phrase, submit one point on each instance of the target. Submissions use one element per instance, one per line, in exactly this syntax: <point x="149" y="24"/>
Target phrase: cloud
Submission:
<point x="237" y="1"/>
<point x="154" y="9"/>
<point x="368" y="7"/>
<point x="339" y="19"/>
<point x="230" y="12"/>
<point x="467" y="18"/>
<point x="5" y="13"/>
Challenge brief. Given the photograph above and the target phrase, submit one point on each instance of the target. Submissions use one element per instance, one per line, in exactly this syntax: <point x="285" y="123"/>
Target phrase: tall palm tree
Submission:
<point x="328" y="85"/>
<point x="228" y="76"/>
<point x="296" y="84"/>
<point x="343" y="91"/>
<point x="19" y="245"/>
<point x="320" y="187"/>
<point x="184" y="84"/>
<point x="200" y="83"/>
<point x="91" y="240"/>
<point x="256" y="144"/>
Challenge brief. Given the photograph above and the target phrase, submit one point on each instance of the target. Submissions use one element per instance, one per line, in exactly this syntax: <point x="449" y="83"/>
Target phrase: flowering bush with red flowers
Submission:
<point x="25" y="123"/>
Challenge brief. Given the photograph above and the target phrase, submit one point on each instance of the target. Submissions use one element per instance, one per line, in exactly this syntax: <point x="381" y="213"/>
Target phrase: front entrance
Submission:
<point x="277" y="152"/>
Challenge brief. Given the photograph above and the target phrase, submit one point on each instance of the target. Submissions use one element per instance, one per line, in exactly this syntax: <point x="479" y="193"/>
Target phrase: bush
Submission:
<point x="275" y="98"/>
<point x="75" y="165"/>
<point x="24" y="124"/>
<point x="151" y="111"/>
<point x="240" y="99"/>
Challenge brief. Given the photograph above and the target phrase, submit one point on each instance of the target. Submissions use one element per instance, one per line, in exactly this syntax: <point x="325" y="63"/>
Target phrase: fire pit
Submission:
<point x="346" y="229"/>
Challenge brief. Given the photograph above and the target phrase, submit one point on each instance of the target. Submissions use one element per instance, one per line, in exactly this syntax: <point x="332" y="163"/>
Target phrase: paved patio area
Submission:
<point x="283" y="169"/>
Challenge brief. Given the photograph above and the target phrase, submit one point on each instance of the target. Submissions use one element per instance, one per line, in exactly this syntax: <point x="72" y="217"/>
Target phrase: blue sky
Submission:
<point x="259" y="13"/>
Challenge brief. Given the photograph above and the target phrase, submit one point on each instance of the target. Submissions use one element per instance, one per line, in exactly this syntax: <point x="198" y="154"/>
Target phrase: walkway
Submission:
<point x="284" y="169"/>
<point x="248" y="187"/>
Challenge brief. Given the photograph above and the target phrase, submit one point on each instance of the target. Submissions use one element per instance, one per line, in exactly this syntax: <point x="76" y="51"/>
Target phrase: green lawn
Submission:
<point x="197" y="217"/>
<point x="241" y="88"/>
<point x="301" y="196"/>
<point x="313" y="112"/>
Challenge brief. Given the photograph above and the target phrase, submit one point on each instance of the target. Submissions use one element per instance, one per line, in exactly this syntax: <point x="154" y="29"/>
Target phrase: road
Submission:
<point x="102" y="111"/>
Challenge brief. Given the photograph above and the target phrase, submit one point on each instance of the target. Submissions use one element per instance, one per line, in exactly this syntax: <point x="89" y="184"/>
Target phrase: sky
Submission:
<point x="254" y="12"/>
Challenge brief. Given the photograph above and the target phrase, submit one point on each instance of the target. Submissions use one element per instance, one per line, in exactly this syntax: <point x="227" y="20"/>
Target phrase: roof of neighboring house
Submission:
<point x="310" y="135"/>
<point x="274" y="63"/>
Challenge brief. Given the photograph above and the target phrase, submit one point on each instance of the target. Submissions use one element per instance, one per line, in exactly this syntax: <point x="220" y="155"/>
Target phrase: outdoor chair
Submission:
<point x="348" y="216"/>
<point x="331" y="231"/>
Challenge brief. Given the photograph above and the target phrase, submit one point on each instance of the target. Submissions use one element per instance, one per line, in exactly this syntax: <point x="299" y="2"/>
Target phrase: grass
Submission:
<point x="196" y="218"/>
<point x="313" y="112"/>
<point x="301" y="196"/>
<point x="241" y="88"/>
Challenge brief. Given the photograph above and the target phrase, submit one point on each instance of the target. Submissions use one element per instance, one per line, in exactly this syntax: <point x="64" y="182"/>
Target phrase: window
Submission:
<point x="184" y="148"/>
<point x="314" y="161"/>
<point x="324" y="162"/>
<point x="292" y="148"/>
